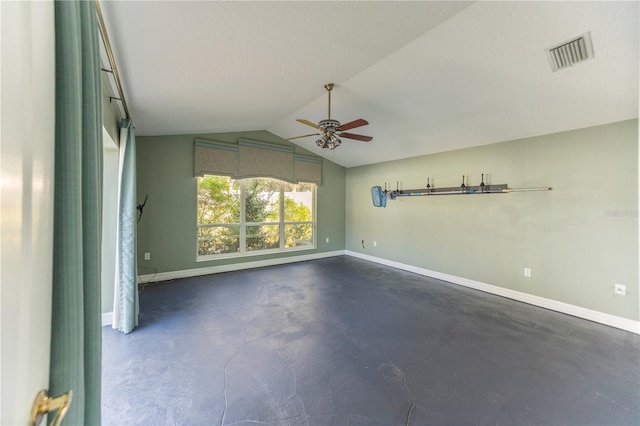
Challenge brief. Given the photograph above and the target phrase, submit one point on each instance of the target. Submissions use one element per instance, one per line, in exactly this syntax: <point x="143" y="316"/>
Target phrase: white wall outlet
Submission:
<point x="375" y="244"/>
<point x="147" y="256"/>
<point x="326" y="240"/>
<point x="620" y="289"/>
<point x="527" y="272"/>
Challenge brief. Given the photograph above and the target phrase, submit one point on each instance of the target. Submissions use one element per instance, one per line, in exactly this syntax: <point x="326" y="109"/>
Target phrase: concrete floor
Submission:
<point x="342" y="341"/>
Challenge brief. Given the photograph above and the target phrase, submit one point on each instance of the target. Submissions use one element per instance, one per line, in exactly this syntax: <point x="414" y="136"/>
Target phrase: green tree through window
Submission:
<point x="253" y="215"/>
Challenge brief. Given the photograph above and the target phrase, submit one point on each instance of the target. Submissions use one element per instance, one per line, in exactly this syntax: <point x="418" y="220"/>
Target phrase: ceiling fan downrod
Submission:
<point x="329" y="87"/>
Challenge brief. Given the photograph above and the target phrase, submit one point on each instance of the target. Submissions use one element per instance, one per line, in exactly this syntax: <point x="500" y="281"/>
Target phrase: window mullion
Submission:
<point x="314" y="208"/>
<point x="243" y="228"/>
<point x="282" y="241"/>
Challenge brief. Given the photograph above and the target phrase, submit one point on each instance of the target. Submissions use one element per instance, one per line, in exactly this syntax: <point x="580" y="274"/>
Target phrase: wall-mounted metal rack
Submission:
<point x="464" y="188"/>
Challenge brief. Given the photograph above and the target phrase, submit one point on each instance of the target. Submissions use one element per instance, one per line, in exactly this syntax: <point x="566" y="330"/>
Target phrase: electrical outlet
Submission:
<point x="326" y="240"/>
<point x="375" y="244"/>
<point x="527" y="272"/>
<point x="620" y="289"/>
<point x="147" y="256"/>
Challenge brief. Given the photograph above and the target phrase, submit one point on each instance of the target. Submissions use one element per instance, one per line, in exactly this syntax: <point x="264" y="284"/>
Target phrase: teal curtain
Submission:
<point x="125" y="304"/>
<point x="76" y="310"/>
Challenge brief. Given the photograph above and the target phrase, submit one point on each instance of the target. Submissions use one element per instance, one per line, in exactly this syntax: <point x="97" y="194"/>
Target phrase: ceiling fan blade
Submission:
<point x="308" y="123"/>
<point x="304" y="136"/>
<point x="356" y="137"/>
<point x="353" y="124"/>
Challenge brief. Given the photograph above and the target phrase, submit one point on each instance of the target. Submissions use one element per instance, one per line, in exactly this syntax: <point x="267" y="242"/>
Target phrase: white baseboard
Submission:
<point x="554" y="305"/>
<point x="107" y="318"/>
<point x="172" y="275"/>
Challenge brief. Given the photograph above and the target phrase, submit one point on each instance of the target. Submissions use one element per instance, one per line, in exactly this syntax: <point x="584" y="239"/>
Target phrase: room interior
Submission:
<point x="446" y="93"/>
<point x="451" y="90"/>
<point x="486" y="305"/>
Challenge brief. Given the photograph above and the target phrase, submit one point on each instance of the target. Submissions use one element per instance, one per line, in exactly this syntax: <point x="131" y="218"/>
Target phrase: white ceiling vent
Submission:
<point x="570" y="52"/>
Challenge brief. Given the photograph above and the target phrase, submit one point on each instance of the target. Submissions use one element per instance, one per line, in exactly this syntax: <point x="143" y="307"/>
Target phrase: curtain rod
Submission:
<point x="112" y="61"/>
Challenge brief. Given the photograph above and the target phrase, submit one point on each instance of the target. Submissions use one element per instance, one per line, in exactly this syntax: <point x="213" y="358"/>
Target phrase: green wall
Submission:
<point x="168" y="227"/>
<point x="578" y="239"/>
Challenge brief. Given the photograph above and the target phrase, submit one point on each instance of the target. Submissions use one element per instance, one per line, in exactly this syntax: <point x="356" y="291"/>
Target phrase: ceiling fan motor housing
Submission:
<point x="329" y="125"/>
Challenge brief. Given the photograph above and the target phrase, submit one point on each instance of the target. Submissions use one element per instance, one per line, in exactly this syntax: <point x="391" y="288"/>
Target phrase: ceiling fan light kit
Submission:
<point x="332" y="130"/>
<point x="328" y="142"/>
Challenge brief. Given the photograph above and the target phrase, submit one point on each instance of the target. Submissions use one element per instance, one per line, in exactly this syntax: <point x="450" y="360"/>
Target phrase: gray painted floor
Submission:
<point x="342" y="341"/>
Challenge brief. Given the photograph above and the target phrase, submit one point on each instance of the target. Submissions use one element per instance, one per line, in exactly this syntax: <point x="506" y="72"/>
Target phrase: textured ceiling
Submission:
<point x="428" y="76"/>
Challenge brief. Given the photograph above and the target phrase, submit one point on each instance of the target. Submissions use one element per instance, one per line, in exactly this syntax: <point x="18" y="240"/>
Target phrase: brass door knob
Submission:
<point x="43" y="404"/>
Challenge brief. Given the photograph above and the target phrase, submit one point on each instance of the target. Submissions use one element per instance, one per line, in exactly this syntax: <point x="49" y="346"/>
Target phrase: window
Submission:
<point x="251" y="216"/>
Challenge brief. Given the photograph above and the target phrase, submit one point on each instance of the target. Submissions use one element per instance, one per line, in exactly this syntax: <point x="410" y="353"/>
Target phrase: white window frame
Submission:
<point x="243" y="227"/>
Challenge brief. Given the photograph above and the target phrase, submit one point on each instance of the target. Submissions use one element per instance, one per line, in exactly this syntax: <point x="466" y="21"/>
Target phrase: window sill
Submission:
<point x="214" y="257"/>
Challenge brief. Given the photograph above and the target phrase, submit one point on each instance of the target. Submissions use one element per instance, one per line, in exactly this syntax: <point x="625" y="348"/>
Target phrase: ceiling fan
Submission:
<point x="332" y="130"/>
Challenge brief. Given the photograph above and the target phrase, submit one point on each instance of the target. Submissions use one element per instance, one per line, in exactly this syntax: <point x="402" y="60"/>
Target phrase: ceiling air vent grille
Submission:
<point x="570" y="52"/>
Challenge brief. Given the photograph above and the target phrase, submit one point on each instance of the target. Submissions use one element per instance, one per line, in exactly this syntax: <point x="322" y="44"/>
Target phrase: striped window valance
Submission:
<point x="248" y="159"/>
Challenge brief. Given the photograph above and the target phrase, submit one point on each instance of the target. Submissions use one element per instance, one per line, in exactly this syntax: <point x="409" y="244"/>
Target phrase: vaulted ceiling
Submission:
<point x="429" y="76"/>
